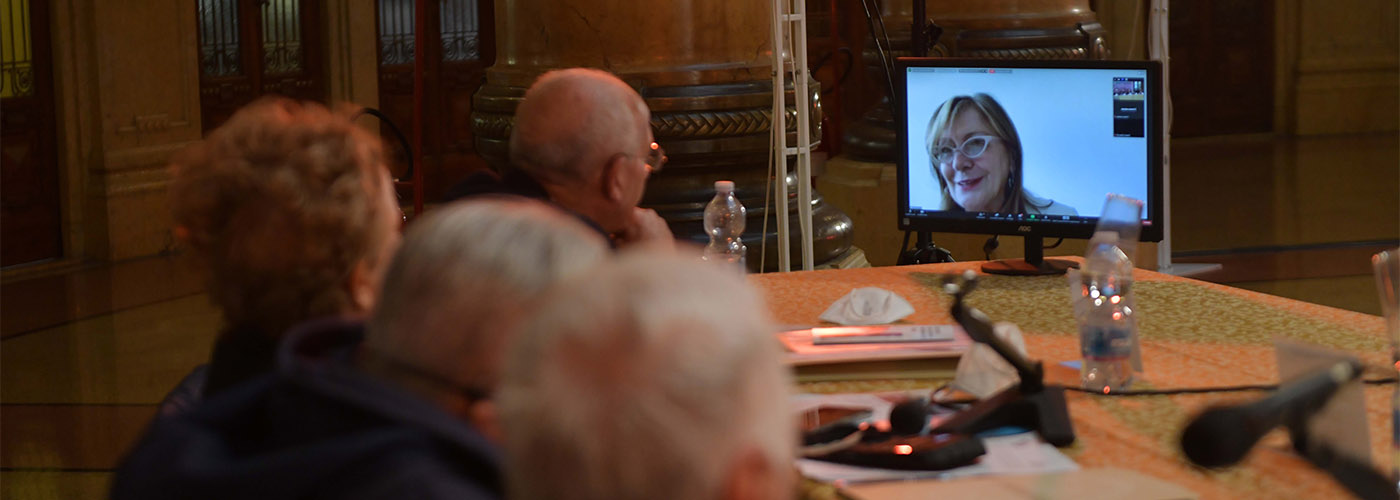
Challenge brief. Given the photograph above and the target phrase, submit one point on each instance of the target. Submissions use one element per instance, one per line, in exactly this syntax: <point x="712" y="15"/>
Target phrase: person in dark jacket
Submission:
<point x="290" y="212"/>
<point x="400" y="406"/>
<point x="320" y="428"/>
<point x="582" y="140"/>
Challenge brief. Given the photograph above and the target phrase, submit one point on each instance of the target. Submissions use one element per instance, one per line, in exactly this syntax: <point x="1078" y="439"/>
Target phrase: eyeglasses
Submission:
<point x="656" y="158"/>
<point x="972" y="147"/>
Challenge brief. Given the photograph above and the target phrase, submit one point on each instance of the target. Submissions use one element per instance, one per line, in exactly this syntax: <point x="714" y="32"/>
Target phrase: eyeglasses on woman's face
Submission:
<point x="972" y="147"/>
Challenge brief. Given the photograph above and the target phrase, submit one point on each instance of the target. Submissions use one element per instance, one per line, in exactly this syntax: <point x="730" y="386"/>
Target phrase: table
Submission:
<point x="1193" y="333"/>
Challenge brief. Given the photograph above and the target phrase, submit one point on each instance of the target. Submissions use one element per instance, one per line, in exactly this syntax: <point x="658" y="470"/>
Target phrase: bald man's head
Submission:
<point x="572" y="122"/>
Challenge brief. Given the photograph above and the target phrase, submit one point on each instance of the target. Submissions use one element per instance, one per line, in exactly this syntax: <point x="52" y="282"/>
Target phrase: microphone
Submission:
<point x="1223" y="435"/>
<point x="910" y="417"/>
<point x="1031" y="405"/>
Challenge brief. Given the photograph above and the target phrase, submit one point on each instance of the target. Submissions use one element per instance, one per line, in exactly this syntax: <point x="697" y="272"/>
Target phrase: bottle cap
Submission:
<point x="724" y="186"/>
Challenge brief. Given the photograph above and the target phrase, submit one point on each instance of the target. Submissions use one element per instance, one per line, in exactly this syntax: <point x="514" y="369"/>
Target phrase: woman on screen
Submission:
<point x="976" y="156"/>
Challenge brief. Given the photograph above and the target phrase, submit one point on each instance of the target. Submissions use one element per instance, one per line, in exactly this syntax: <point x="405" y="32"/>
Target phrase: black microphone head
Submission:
<point x="1220" y="437"/>
<point x="910" y="417"/>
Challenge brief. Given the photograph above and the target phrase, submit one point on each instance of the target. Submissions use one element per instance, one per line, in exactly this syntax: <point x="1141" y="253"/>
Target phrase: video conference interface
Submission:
<point x="1082" y="134"/>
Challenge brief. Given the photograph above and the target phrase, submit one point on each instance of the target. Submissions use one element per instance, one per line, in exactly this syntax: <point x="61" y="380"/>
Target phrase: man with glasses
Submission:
<point x="582" y="140"/>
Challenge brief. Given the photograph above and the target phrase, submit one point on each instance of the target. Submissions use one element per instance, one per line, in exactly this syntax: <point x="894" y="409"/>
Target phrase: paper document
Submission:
<point x="879" y="407"/>
<point x="1009" y="455"/>
<point x="802" y="351"/>
<point x="1087" y="484"/>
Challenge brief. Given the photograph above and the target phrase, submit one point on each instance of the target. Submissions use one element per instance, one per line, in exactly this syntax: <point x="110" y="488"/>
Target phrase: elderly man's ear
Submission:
<point x="614" y="178"/>
<point x="363" y="285"/>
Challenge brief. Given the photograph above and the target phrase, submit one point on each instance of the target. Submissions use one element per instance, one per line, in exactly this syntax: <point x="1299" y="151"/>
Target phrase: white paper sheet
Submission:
<point x="1008" y="455"/>
<point x="801" y="351"/>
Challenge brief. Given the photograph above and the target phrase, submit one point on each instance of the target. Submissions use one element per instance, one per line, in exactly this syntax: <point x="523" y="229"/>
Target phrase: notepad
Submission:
<point x="938" y="341"/>
<point x="882" y="334"/>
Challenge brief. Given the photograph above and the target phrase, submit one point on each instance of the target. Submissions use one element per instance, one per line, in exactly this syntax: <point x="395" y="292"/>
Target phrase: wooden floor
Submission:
<point x="87" y="354"/>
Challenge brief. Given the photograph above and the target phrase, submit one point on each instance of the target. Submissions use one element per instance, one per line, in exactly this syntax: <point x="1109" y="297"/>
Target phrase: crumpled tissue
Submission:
<point x="868" y="306"/>
<point x="982" y="372"/>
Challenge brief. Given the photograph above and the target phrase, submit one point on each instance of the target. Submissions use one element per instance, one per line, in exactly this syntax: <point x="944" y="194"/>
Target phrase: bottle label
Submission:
<point x="1104" y="343"/>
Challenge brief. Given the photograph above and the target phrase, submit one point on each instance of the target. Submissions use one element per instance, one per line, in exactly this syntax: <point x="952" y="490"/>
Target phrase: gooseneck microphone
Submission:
<point x="1223" y="435"/>
<point x="1031" y="405"/>
<point x="910" y="417"/>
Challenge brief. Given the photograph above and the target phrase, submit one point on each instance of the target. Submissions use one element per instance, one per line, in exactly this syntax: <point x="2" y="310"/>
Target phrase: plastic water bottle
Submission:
<point x="724" y="221"/>
<point x="1108" y="329"/>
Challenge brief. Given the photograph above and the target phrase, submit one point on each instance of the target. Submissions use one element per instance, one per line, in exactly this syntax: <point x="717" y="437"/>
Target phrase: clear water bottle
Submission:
<point x="724" y="221"/>
<point x="1108" y="328"/>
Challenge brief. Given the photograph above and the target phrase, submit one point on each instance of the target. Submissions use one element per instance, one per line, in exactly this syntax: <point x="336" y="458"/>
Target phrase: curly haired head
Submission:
<point x="281" y="204"/>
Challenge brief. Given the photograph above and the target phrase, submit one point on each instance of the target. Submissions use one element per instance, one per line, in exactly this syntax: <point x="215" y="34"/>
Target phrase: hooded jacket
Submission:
<point x="317" y="428"/>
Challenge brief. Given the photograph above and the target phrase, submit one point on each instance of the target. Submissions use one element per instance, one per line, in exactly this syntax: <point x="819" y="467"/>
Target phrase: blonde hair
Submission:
<point x="1016" y="196"/>
<point x="279" y="205"/>
<point x="466" y="269"/>
<point x="645" y="378"/>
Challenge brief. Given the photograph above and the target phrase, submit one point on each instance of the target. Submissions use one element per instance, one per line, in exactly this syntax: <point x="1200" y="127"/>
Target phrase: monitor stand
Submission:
<point x="924" y="251"/>
<point x="1034" y="264"/>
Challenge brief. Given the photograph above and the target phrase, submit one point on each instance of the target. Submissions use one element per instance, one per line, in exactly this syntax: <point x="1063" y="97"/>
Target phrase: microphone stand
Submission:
<point x="1359" y="478"/>
<point x="1031" y="404"/>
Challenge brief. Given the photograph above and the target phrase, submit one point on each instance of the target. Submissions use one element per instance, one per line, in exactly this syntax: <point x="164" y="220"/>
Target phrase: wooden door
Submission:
<point x="460" y="46"/>
<point x="30" y="223"/>
<point x="249" y="48"/>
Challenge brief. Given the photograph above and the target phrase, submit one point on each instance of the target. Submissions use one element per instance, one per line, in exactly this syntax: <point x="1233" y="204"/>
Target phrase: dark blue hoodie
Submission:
<point x="318" y="428"/>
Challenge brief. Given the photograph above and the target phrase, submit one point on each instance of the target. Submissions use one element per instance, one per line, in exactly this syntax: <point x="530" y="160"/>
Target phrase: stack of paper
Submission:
<point x="801" y="350"/>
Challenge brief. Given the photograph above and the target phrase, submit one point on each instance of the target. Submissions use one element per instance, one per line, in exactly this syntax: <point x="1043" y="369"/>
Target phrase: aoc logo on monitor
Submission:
<point x="1023" y="229"/>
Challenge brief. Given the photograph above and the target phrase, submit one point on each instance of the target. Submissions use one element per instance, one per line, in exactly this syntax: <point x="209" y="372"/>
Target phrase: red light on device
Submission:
<point x="903" y="449"/>
<point x="991" y="71"/>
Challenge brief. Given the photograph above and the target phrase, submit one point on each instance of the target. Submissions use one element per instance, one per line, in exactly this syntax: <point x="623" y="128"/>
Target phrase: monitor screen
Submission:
<point x="1027" y="148"/>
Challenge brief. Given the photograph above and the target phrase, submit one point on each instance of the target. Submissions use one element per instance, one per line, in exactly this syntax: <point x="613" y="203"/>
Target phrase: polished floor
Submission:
<point x="86" y="354"/>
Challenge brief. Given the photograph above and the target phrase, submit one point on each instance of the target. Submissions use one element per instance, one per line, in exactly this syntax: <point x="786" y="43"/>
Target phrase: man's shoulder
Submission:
<point x="284" y="438"/>
<point x="419" y="472"/>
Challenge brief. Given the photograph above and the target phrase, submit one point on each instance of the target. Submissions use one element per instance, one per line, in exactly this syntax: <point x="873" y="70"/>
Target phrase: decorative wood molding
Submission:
<point x="115" y="184"/>
<point x="152" y="123"/>
<point x="672" y="125"/>
<point x="147" y="73"/>
<point x="127" y="97"/>
<point x="143" y="157"/>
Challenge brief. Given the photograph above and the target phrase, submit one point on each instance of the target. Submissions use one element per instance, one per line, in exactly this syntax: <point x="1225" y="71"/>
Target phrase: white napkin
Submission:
<point x="868" y="306"/>
<point x="982" y="372"/>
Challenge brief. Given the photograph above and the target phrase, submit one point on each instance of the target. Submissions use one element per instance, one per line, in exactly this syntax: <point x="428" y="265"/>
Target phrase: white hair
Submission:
<point x="465" y="269"/>
<point x="571" y="121"/>
<point x="646" y="378"/>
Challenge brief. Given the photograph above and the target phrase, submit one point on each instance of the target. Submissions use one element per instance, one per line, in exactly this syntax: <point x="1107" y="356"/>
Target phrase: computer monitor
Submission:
<point x="1027" y="148"/>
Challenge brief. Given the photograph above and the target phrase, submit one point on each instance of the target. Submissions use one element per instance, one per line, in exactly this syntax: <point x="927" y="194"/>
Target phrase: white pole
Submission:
<point x="1157" y="51"/>
<point x="779" y="129"/>
<point x="1157" y="48"/>
<point x="798" y="28"/>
